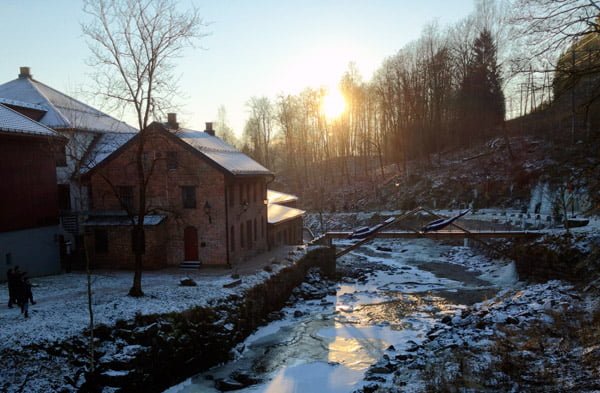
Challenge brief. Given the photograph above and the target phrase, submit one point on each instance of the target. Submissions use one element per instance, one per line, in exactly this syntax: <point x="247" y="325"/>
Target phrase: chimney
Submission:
<point x="24" y="72"/>
<point x="172" y="121"/>
<point x="209" y="130"/>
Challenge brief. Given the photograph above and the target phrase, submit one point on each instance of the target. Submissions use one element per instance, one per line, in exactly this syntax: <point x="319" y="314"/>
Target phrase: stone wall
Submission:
<point x="551" y="258"/>
<point x="158" y="351"/>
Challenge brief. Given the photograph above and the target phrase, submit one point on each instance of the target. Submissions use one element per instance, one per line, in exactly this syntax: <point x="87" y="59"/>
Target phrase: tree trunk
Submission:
<point x="136" y="289"/>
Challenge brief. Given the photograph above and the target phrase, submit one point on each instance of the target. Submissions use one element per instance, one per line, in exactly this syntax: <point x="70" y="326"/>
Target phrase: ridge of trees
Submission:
<point x="440" y="92"/>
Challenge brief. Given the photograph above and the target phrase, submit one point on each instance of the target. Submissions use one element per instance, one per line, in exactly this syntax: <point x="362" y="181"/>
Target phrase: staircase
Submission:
<point x="190" y="265"/>
<point x="70" y="223"/>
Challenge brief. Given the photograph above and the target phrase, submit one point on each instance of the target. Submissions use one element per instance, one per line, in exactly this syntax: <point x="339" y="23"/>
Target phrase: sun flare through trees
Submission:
<point x="333" y="104"/>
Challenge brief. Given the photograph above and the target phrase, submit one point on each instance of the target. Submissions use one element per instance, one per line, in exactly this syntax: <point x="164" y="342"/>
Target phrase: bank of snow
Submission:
<point x="540" y="337"/>
<point x="38" y="352"/>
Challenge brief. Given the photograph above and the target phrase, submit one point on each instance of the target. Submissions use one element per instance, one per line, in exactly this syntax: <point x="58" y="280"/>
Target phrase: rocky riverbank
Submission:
<point x="154" y="351"/>
<point x="541" y="336"/>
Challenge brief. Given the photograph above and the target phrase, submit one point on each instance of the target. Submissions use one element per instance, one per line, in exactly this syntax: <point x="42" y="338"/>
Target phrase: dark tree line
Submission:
<point x="435" y="94"/>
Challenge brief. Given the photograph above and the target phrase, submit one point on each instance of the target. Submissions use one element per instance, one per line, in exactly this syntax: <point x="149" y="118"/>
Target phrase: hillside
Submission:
<point x="490" y="174"/>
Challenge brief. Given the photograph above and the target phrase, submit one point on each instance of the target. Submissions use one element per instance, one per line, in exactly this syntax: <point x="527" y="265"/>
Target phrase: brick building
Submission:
<point x="28" y="195"/>
<point x="285" y="220"/>
<point x="206" y="201"/>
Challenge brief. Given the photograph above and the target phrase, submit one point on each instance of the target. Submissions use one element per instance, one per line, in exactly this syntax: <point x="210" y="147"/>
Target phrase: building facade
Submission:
<point x="205" y="201"/>
<point x="29" y="220"/>
<point x="91" y="134"/>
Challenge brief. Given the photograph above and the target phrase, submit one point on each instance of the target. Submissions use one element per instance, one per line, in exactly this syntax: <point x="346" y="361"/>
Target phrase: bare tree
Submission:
<point x="223" y="129"/>
<point x="133" y="45"/>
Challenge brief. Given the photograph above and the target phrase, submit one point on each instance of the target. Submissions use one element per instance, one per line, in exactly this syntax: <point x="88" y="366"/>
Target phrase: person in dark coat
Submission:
<point x="13" y="283"/>
<point x="10" y="279"/>
<point x="23" y="295"/>
<point x="28" y="292"/>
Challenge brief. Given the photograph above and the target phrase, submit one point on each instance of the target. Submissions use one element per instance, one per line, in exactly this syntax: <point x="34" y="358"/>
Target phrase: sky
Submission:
<point x="253" y="47"/>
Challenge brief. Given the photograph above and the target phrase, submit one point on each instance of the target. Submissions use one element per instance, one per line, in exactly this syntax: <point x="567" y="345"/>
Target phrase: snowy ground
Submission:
<point x="61" y="310"/>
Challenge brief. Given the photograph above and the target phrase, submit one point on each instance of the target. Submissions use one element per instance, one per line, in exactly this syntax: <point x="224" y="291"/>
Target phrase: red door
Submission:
<point x="190" y="241"/>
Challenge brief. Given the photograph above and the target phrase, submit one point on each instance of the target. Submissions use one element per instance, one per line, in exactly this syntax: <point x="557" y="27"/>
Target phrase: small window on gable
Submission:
<point x="188" y="197"/>
<point x="126" y="197"/>
<point x="100" y="241"/>
<point x="172" y="160"/>
<point x="147" y="159"/>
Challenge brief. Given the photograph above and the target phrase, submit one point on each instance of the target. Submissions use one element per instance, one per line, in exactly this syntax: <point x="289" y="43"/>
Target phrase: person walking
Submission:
<point x="10" y="280"/>
<point x="23" y="288"/>
<point x="28" y="292"/>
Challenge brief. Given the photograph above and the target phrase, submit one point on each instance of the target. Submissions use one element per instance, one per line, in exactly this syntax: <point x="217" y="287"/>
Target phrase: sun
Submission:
<point x="333" y="104"/>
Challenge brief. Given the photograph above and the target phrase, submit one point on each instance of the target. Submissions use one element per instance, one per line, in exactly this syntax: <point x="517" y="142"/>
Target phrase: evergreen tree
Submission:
<point x="481" y="98"/>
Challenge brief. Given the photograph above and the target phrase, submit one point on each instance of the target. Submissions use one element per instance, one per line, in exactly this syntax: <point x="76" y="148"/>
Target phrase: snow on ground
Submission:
<point x="61" y="310"/>
<point x="473" y="334"/>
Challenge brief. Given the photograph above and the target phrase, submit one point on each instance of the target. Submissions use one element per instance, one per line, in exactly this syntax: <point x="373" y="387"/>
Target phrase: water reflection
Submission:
<point x="330" y="347"/>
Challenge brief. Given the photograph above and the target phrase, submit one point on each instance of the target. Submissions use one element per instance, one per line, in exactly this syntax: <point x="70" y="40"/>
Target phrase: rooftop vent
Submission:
<point x="24" y="72"/>
<point x="209" y="129"/>
<point x="172" y="121"/>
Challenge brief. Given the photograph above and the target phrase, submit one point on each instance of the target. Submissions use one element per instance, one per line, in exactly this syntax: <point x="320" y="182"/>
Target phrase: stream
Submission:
<point x="392" y="294"/>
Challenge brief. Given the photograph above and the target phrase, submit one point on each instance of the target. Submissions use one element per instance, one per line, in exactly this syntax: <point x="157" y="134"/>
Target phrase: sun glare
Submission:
<point x="333" y="104"/>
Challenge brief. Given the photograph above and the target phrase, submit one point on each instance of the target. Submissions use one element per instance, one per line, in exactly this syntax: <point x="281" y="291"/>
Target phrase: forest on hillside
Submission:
<point x="453" y="88"/>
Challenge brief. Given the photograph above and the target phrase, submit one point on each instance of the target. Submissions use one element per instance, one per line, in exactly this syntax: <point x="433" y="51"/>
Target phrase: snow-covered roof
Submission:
<point x="62" y="111"/>
<point x="14" y="122"/>
<point x="8" y="101"/>
<point x="121" y="220"/>
<point x="222" y="153"/>
<point x="276" y="214"/>
<point x="104" y="145"/>
<point x="280" y="197"/>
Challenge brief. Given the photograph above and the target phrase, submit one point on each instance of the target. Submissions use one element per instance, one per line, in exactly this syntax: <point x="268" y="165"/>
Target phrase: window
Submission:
<point x="147" y="160"/>
<point x="232" y="236"/>
<point x="188" y="197"/>
<point x="254" y="187"/>
<point x="100" y="241"/>
<point x="241" y="187"/>
<point x="126" y="197"/>
<point x="255" y="234"/>
<point x="172" y="161"/>
<point x="231" y="195"/>
<point x="242" y="235"/>
<point x="249" y="233"/>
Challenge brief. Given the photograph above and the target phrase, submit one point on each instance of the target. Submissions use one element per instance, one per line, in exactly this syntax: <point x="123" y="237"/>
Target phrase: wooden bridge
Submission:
<point x="458" y="232"/>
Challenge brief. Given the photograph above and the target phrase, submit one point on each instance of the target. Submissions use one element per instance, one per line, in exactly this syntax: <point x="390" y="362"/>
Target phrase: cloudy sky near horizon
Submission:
<point x="254" y="47"/>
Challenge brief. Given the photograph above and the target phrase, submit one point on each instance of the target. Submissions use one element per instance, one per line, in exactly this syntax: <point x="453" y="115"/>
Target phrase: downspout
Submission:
<point x="227" y="245"/>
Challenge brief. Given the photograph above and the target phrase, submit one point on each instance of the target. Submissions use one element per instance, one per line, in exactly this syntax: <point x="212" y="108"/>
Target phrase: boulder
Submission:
<point x="187" y="282"/>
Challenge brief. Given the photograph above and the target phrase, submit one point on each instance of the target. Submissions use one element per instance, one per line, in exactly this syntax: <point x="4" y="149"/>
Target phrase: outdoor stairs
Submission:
<point x="70" y="223"/>
<point x="190" y="265"/>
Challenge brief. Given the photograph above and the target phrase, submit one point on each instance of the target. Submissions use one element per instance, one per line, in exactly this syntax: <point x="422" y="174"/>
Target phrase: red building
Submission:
<point x="28" y="193"/>
<point x="92" y="135"/>
<point x="206" y="201"/>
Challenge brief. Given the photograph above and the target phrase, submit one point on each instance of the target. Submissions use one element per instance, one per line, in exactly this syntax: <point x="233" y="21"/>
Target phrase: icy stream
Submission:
<point x="326" y="345"/>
